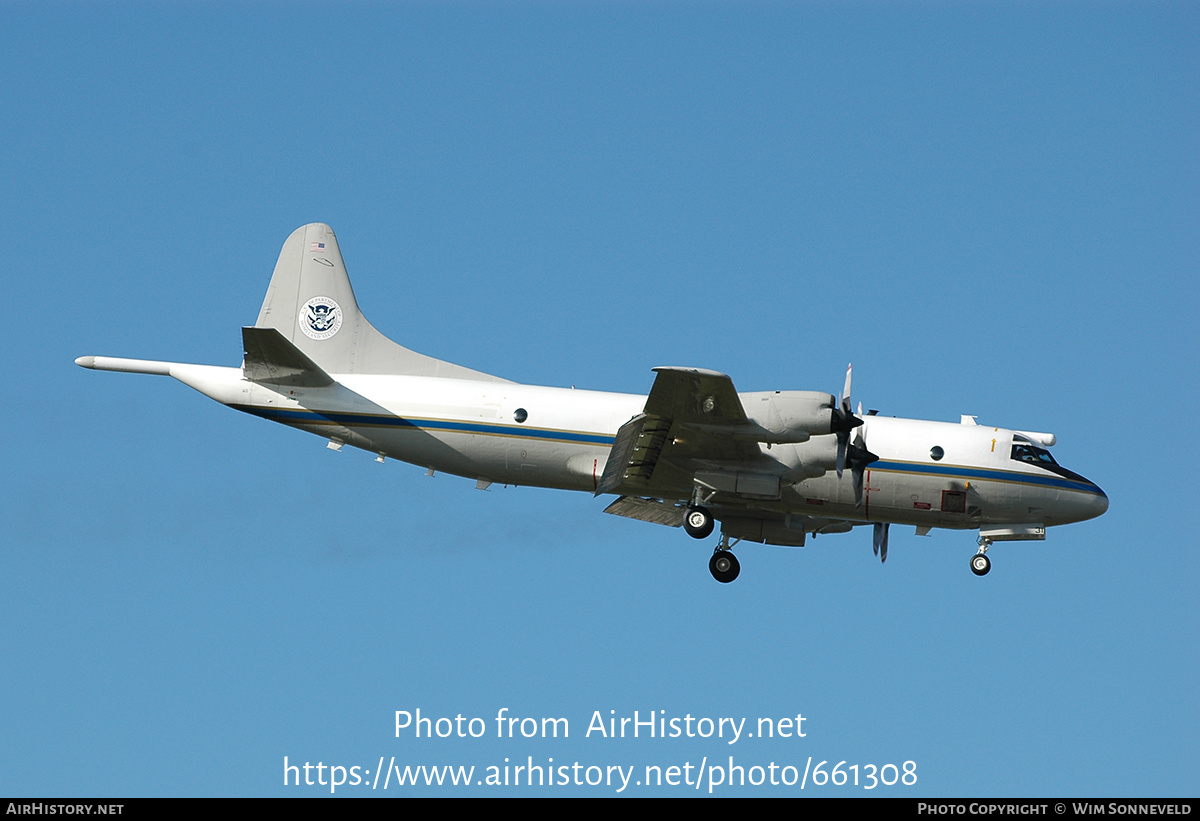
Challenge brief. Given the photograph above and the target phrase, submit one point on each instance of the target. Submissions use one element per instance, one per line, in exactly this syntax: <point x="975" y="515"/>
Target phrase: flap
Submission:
<point x="646" y="510"/>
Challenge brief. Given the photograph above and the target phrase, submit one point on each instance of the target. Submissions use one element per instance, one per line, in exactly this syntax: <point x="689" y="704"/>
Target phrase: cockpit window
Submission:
<point x="1033" y="455"/>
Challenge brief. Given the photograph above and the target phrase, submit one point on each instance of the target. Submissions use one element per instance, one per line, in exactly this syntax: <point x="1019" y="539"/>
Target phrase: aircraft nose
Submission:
<point x="1092" y="504"/>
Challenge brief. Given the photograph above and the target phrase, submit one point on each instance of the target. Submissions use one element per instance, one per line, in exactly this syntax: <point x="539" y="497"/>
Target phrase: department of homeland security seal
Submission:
<point x="320" y="318"/>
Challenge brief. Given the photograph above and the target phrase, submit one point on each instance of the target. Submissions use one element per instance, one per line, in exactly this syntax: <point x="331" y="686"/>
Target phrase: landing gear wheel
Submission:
<point x="698" y="522"/>
<point x="980" y="564"/>
<point x="724" y="566"/>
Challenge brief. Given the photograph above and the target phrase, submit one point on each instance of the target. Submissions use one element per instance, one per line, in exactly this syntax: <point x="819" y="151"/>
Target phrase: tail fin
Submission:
<point x="310" y="302"/>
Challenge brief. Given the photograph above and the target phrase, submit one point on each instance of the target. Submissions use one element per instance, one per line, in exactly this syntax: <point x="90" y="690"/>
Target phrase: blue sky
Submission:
<point x="989" y="209"/>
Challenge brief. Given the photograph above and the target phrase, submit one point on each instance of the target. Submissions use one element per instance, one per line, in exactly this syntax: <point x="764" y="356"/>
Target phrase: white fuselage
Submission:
<point x="471" y="428"/>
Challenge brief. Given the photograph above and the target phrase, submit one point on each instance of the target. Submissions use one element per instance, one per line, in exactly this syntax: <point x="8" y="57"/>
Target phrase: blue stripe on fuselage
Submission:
<point x="286" y="417"/>
<point x="985" y="474"/>
<point x="383" y="421"/>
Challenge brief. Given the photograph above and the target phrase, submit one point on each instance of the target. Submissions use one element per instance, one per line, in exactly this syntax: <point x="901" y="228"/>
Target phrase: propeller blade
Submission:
<point x="880" y="541"/>
<point x="842" y="422"/>
<point x="860" y="459"/>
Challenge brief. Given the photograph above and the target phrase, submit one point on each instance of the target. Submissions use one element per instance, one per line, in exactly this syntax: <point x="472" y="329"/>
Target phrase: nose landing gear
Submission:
<point x="980" y="563"/>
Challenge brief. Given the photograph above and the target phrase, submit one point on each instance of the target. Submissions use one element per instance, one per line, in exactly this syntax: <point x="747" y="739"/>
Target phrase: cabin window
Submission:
<point x="521" y="414"/>
<point x="937" y="453"/>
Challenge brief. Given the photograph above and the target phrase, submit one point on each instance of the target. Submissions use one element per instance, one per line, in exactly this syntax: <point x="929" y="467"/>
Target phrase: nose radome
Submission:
<point x="1092" y="505"/>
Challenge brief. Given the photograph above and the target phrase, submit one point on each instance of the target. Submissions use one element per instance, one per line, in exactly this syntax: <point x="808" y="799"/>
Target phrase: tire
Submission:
<point x="698" y="522"/>
<point x="980" y="564"/>
<point x="724" y="566"/>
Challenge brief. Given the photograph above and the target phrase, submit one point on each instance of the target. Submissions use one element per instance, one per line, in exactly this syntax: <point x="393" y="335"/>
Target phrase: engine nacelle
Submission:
<point x="790" y="416"/>
<point x="808" y="460"/>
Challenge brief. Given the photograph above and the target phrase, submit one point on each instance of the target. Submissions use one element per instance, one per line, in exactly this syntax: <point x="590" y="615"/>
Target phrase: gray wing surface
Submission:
<point x="693" y="418"/>
<point x="694" y="431"/>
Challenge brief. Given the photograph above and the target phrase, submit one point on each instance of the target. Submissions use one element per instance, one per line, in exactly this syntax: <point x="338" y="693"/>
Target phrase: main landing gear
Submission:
<point x="980" y="563"/>
<point x="698" y="522"/>
<point x="724" y="565"/>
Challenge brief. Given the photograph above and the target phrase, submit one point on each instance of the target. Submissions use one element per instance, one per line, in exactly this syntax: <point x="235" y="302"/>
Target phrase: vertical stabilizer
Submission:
<point x="310" y="302"/>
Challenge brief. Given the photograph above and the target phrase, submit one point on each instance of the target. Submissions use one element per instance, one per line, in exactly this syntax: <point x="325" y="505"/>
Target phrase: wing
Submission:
<point x="694" y="441"/>
<point x="693" y="420"/>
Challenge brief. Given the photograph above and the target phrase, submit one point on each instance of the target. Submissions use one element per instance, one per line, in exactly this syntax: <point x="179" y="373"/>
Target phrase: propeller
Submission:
<point x="843" y="422"/>
<point x="860" y="459"/>
<point x="856" y="455"/>
<point x="879" y="543"/>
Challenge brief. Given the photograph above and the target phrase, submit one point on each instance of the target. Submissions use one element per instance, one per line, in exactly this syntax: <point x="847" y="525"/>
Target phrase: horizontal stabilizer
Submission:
<point x="272" y="360"/>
